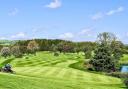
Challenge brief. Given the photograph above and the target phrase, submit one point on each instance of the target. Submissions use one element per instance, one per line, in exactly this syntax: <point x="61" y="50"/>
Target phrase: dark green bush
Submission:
<point x="56" y="54"/>
<point x="26" y="57"/>
<point x="126" y="82"/>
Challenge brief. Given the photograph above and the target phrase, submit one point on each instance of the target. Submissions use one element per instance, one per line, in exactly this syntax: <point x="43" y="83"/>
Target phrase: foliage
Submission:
<point x="56" y="45"/>
<point x="65" y="47"/>
<point x="5" y="52"/>
<point x="15" y="50"/>
<point x="117" y="49"/>
<point x="126" y="82"/>
<point x="103" y="60"/>
<point x="106" y="38"/>
<point x="32" y="47"/>
<point x="56" y="54"/>
<point x="88" y="52"/>
<point x="108" y="52"/>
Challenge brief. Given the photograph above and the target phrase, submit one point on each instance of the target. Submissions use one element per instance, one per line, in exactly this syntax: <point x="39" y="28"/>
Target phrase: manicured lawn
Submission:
<point x="45" y="71"/>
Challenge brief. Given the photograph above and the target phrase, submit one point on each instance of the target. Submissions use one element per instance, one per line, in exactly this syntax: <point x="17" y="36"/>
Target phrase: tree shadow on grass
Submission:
<point x="124" y="87"/>
<point x="6" y="61"/>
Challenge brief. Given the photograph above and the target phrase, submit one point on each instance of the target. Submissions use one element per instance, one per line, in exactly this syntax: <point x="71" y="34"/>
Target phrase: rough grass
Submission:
<point x="45" y="71"/>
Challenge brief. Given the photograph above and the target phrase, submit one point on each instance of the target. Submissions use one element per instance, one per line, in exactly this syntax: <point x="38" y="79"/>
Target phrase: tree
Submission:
<point x="68" y="48"/>
<point x="15" y="50"/>
<point x="60" y="47"/>
<point x="32" y="47"/>
<point x="23" y="49"/>
<point x="117" y="49"/>
<point x="53" y="48"/>
<point x="5" y="52"/>
<point x="65" y="47"/>
<point x="1" y="46"/>
<point x="106" y="38"/>
<point x="88" y="52"/>
<point x="110" y="39"/>
<point x="103" y="60"/>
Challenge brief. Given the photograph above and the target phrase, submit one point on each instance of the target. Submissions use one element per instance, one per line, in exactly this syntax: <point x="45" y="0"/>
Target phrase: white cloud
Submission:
<point x="111" y="12"/>
<point x="120" y="9"/>
<point x="86" y="31"/>
<point x="66" y="36"/>
<point x="97" y="16"/>
<point x="101" y="15"/>
<point x="19" y="35"/>
<point x="3" y="38"/>
<point x="13" y="12"/>
<point x="55" y="4"/>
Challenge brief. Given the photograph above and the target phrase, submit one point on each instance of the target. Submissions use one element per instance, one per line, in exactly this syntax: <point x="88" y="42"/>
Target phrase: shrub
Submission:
<point x="26" y="57"/>
<point x="56" y="54"/>
<point x="90" y="67"/>
<point x="126" y="82"/>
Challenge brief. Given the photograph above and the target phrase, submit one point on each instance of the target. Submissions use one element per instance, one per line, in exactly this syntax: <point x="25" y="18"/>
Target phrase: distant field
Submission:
<point x="6" y="42"/>
<point x="45" y="71"/>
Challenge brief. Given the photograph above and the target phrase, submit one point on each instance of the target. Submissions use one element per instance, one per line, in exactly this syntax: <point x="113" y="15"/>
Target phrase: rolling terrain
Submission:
<point x="46" y="71"/>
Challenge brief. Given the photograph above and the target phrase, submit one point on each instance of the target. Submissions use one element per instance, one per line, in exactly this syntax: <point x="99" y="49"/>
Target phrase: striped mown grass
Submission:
<point x="45" y="71"/>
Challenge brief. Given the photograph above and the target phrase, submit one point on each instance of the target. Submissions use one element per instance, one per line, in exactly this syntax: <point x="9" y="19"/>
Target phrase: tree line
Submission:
<point x="32" y="46"/>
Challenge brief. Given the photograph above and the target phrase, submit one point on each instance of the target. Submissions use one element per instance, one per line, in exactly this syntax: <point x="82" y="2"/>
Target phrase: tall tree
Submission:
<point x="33" y="47"/>
<point x="103" y="59"/>
<point x="106" y="38"/>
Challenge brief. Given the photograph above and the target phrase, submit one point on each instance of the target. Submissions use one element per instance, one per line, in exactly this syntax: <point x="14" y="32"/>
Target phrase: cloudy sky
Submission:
<point x="77" y="20"/>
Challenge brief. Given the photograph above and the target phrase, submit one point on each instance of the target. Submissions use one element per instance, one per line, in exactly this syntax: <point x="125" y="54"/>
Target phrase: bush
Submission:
<point x="26" y="57"/>
<point x="126" y="82"/>
<point x="90" y="67"/>
<point x="56" y="54"/>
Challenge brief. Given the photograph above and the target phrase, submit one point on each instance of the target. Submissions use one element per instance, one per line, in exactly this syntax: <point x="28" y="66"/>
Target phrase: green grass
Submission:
<point x="45" y="71"/>
<point x="124" y="59"/>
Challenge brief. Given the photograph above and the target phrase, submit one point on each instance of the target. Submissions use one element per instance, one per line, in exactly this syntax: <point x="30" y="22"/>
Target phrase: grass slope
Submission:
<point x="46" y="71"/>
<point x="124" y="59"/>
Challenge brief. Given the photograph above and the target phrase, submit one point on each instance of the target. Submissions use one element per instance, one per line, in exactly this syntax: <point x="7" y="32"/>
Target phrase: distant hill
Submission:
<point x="6" y="42"/>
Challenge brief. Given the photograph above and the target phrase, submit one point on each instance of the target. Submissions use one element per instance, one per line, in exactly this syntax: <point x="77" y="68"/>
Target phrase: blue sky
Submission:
<point x="77" y="20"/>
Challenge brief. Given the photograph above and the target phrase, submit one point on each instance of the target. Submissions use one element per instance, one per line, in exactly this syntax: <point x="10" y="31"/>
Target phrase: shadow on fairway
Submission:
<point x="6" y="61"/>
